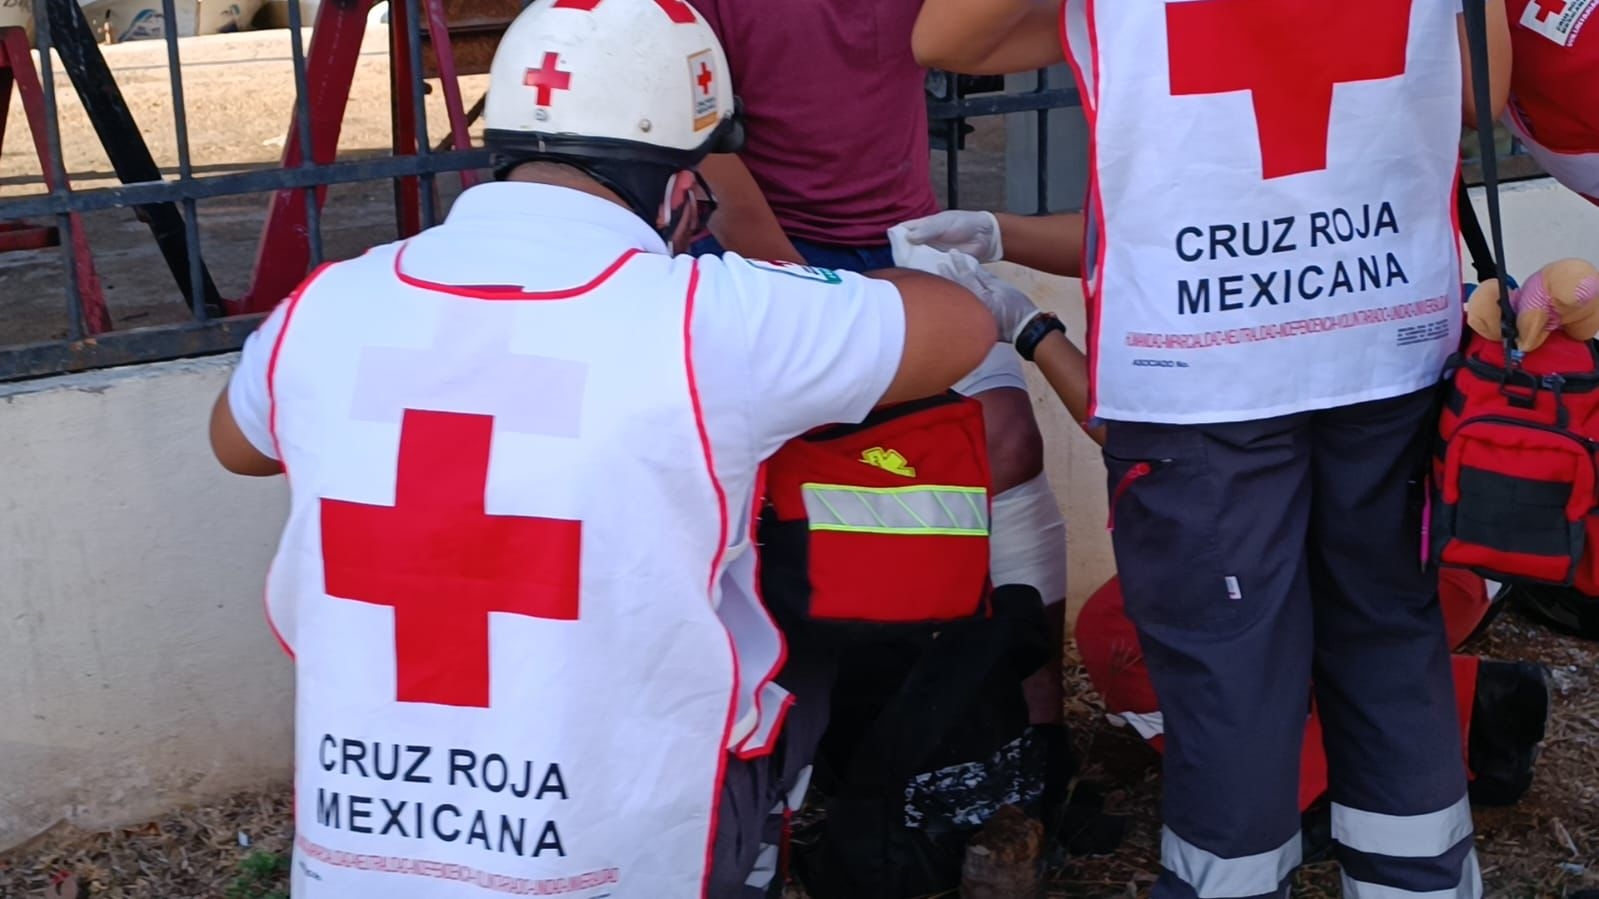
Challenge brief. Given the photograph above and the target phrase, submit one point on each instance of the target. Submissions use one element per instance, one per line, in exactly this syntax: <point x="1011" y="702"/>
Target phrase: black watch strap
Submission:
<point x="1034" y="332"/>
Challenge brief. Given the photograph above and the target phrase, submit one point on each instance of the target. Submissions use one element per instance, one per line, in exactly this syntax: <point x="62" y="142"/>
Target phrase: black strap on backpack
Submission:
<point x="1482" y="256"/>
<point x="1476" y="13"/>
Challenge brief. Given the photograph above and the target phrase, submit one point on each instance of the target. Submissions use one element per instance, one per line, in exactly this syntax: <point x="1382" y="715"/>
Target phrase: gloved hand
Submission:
<point x="974" y="233"/>
<point x="1011" y="308"/>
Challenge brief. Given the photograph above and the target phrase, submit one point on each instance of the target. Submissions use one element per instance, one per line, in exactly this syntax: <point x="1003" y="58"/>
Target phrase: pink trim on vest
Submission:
<point x="716" y="566"/>
<point x="506" y="291"/>
<point x="292" y="303"/>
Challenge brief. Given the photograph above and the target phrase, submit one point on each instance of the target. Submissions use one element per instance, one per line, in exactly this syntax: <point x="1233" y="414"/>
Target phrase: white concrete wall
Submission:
<point x="136" y="672"/>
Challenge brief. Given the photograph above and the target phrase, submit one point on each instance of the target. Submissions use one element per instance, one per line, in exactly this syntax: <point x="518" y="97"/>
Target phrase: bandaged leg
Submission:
<point x="1028" y="535"/>
<point x="1027" y="540"/>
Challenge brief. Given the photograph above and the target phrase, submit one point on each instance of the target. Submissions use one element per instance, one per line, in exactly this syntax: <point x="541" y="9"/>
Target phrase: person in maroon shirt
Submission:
<point x="836" y="153"/>
<point x="836" y="123"/>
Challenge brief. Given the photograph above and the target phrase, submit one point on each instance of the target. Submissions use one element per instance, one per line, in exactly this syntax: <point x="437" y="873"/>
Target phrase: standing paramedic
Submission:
<point x="837" y="154"/>
<point x="516" y="576"/>
<point x="1554" y="90"/>
<point x="1274" y="276"/>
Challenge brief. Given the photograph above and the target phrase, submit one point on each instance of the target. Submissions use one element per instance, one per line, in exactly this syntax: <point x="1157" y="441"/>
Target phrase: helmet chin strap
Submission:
<point x="675" y="218"/>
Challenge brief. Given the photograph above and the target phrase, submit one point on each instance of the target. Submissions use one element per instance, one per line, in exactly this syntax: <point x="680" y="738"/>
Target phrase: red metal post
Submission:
<point x="284" y="254"/>
<point x="16" y="59"/>
<point x="407" y="191"/>
<point x="439" y="30"/>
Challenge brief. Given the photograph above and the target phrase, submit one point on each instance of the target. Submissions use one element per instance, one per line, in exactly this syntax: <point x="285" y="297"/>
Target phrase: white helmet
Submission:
<point x="602" y="81"/>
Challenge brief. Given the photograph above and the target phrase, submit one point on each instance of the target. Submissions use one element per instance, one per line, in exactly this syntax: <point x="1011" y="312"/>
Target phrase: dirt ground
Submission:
<point x="240" y="92"/>
<point x="1542" y="848"/>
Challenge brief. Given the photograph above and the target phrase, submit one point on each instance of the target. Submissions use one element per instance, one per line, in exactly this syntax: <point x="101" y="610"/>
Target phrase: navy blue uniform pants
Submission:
<point x="1255" y="557"/>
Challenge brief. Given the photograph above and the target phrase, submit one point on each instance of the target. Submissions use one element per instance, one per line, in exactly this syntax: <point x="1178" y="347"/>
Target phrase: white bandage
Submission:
<point x="1001" y="368"/>
<point x="1027" y="542"/>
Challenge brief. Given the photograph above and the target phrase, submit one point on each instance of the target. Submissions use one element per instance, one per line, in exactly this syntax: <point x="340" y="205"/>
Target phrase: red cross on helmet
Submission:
<point x="621" y="80"/>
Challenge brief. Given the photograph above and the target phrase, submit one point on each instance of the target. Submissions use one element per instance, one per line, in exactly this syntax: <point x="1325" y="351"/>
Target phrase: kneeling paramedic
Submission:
<point x="517" y="575"/>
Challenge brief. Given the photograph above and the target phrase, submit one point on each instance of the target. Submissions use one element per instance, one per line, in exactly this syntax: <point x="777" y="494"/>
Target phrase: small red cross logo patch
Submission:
<point x="705" y="78"/>
<point x="1547" y="8"/>
<point x="443" y="563"/>
<point x="1290" y="55"/>
<point x="548" y="78"/>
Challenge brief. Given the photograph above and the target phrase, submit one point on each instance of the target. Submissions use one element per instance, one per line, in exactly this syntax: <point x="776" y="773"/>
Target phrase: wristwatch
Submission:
<point x="1032" y="333"/>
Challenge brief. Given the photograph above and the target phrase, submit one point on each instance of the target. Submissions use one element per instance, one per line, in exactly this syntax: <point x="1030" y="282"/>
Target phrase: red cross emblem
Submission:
<point x="705" y="78"/>
<point x="1547" y="8"/>
<point x="548" y="78"/>
<point x="677" y="10"/>
<point x="1289" y="54"/>
<point x="443" y="564"/>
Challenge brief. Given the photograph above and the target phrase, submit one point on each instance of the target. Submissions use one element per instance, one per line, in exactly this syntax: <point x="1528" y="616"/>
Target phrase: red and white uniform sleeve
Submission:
<point x="249" y="394"/>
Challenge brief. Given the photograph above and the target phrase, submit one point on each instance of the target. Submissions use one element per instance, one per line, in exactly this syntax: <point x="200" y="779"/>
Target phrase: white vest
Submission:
<point x="1271" y="218"/>
<point x="499" y="577"/>
<point x="1578" y="172"/>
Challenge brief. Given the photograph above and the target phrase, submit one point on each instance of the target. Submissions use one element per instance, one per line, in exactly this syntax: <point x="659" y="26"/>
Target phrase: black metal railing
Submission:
<point x="950" y="105"/>
<point x="169" y="206"/>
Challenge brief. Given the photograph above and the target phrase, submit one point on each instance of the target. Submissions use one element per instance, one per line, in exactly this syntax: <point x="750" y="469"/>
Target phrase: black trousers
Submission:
<point x="1255" y="557"/>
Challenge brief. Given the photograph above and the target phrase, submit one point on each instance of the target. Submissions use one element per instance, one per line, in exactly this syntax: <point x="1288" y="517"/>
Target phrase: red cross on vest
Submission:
<point x="1547" y="8"/>
<point x="1289" y="54"/>
<point x="705" y="78"/>
<point x="548" y="78"/>
<point x="443" y="564"/>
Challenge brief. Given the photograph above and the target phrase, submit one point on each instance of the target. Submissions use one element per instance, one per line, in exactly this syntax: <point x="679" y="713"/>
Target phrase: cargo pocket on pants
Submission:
<point x="1164" y="517"/>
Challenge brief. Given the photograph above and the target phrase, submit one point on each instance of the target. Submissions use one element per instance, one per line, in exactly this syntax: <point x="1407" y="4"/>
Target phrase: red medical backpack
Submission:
<point x="883" y="523"/>
<point x="1515" y="481"/>
<point x="1517" y="487"/>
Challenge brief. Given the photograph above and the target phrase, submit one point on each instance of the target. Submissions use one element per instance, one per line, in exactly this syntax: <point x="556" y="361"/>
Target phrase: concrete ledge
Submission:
<point x="138" y="673"/>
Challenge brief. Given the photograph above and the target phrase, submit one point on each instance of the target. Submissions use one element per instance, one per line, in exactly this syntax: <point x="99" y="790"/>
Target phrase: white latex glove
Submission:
<point x="1011" y="308"/>
<point x="974" y="233"/>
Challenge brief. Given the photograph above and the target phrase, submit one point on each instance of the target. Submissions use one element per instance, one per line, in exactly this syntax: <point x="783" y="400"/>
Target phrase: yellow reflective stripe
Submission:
<point x="928" y="509"/>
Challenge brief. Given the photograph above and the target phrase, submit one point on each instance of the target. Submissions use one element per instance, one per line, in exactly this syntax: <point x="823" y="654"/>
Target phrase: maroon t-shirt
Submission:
<point x="837" y="117"/>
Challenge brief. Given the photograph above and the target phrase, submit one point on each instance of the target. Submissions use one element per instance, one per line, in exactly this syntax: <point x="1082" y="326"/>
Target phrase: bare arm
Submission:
<point x="1048" y="243"/>
<point x="1066" y="369"/>
<point x="231" y="447"/>
<point x="947" y="334"/>
<point x="988" y="37"/>
<point x="743" y="222"/>
<point x="1499" y="63"/>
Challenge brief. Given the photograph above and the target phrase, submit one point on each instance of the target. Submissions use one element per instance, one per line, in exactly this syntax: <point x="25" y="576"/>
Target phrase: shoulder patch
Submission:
<point x="795" y="270"/>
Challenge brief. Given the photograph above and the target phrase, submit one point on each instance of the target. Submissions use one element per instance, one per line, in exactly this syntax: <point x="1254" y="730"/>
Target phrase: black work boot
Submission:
<point x="1561" y="609"/>
<point x="1508" y="717"/>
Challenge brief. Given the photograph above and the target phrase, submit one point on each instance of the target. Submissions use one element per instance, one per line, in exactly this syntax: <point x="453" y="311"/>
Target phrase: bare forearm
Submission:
<point x="1066" y="369"/>
<point x="988" y="37"/>
<point x="1048" y="243"/>
<point x="743" y="222"/>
